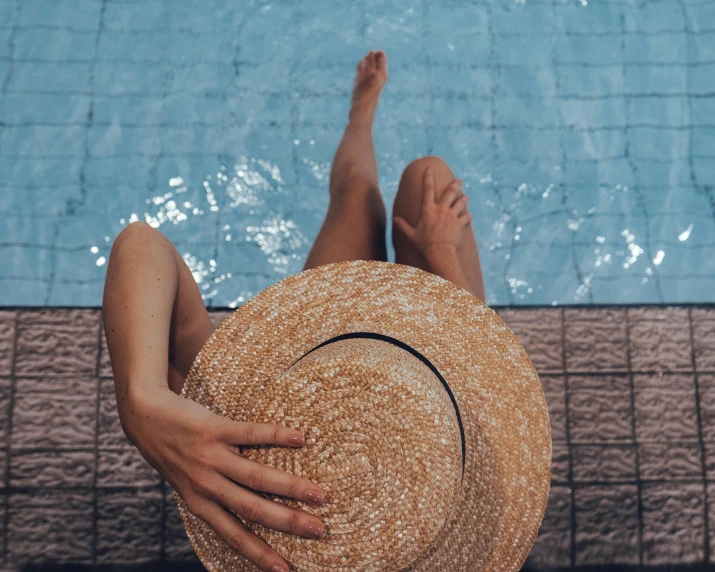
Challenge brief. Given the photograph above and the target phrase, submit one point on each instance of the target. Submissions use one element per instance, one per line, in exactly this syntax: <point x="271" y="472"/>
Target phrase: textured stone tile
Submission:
<point x="600" y="409"/>
<point x="706" y="383"/>
<point x="670" y="460"/>
<point x="52" y="468"/>
<point x="5" y="388"/>
<point x="177" y="545"/>
<point x="709" y="447"/>
<point x="80" y="318"/>
<point x="218" y="316"/>
<point x="125" y="467"/>
<point x="7" y="339"/>
<point x="603" y="462"/>
<point x="555" y="394"/>
<point x="57" y="342"/>
<point x="54" y="412"/>
<point x="606" y="524"/>
<point x="128" y="525"/>
<point x="553" y="543"/>
<point x="105" y="364"/>
<point x="110" y="430"/>
<point x="665" y="407"/>
<point x="559" y="462"/>
<point x="595" y="340"/>
<point x="711" y="519"/>
<point x="660" y="339"/>
<point x="50" y="526"/>
<point x="673" y="523"/>
<point x="540" y="332"/>
<point x="704" y="338"/>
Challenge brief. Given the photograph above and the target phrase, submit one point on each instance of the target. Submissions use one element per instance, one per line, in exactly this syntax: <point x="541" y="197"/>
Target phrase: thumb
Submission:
<point x="404" y="226"/>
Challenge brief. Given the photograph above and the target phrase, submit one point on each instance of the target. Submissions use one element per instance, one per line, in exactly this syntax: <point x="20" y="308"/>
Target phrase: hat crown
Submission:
<point x="382" y="439"/>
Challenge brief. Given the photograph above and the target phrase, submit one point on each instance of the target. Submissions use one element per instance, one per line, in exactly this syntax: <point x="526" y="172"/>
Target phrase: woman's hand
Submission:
<point x="440" y="223"/>
<point x="195" y="450"/>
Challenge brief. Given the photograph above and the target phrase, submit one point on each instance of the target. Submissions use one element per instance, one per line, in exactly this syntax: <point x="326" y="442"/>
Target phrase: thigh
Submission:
<point x="353" y="229"/>
<point x="408" y="204"/>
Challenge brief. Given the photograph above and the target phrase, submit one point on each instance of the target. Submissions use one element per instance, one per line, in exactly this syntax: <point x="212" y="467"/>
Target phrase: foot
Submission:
<point x="370" y="78"/>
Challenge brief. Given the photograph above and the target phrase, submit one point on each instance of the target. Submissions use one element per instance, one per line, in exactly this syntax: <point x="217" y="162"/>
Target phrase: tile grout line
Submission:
<point x="631" y="385"/>
<point x="95" y="499"/>
<point x="8" y="450"/>
<point x="701" y="442"/>
<point x="572" y="488"/>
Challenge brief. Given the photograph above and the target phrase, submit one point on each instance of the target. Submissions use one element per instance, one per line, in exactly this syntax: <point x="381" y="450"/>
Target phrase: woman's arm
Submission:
<point x="153" y="315"/>
<point x="139" y="295"/>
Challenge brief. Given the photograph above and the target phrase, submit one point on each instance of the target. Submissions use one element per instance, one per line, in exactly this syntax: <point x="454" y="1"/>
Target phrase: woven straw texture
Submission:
<point x="382" y="436"/>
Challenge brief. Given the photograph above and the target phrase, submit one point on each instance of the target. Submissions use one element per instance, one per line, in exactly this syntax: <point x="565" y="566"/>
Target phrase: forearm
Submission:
<point x="444" y="262"/>
<point x="139" y="295"/>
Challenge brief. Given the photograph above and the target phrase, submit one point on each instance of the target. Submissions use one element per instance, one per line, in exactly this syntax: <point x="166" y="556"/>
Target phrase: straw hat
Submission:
<point x="424" y="420"/>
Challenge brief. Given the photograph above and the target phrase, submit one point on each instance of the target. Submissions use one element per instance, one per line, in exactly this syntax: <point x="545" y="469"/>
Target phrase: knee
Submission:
<point x="134" y="235"/>
<point x="412" y="176"/>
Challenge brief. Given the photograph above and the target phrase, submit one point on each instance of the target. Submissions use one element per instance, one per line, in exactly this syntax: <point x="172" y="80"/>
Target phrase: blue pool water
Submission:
<point x="583" y="131"/>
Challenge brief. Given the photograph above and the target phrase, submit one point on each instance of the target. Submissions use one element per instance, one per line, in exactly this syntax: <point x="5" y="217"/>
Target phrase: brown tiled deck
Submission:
<point x="631" y="394"/>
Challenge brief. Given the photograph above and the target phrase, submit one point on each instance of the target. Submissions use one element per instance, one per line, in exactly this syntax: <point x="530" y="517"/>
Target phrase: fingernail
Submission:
<point x="315" y="530"/>
<point x="314" y="498"/>
<point x="280" y="568"/>
<point x="296" y="439"/>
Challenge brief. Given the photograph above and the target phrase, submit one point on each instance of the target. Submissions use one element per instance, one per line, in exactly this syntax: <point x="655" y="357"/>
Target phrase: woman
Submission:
<point x="156" y="323"/>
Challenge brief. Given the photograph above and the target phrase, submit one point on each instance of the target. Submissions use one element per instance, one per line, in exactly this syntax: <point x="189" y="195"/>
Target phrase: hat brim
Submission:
<point x="507" y="433"/>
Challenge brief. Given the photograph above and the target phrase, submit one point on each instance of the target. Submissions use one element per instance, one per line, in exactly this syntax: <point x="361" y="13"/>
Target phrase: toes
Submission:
<point x="379" y="59"/>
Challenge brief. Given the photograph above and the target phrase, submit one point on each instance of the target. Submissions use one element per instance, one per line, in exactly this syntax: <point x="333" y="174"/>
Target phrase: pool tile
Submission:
<point x="673" y="523"/>
<point x="665" y="407"/>
<point x="21" y="292"/>
<point x="73" y="14"/>
<point x="606" y="524"/>
<point x="603" y="463"/>
<point x="59" y="44"/>
<point x="659" y="339"/>
<point x="128" y="525"/>
<point x="595" y="340"/>
<point x="599" y="409"/>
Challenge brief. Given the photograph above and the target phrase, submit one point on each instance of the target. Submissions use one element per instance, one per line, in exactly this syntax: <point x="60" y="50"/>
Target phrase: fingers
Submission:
<point x="240" y="433"/>
<point x="405" y="227"/>
<point x="465" y="218"/>
<point x="234" y="533"/>
<point x="452" y="193"/>
<point x="265" y="479"/>
<point x="254" y="508"/>
<point x="428" y="187"/>
<point x="460" y="205"/>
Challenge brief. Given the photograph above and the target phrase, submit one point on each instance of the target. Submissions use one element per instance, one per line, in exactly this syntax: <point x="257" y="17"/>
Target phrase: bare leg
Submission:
<point x="407" y="205"/>
<point x="354" y="226"/>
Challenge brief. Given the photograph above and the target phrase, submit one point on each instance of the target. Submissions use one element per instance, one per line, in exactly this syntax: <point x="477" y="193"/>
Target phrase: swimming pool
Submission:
<point x="583" y="133"/>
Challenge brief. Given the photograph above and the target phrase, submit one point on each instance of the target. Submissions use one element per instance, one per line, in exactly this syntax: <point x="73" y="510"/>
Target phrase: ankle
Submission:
<point x="361" y="116"/>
